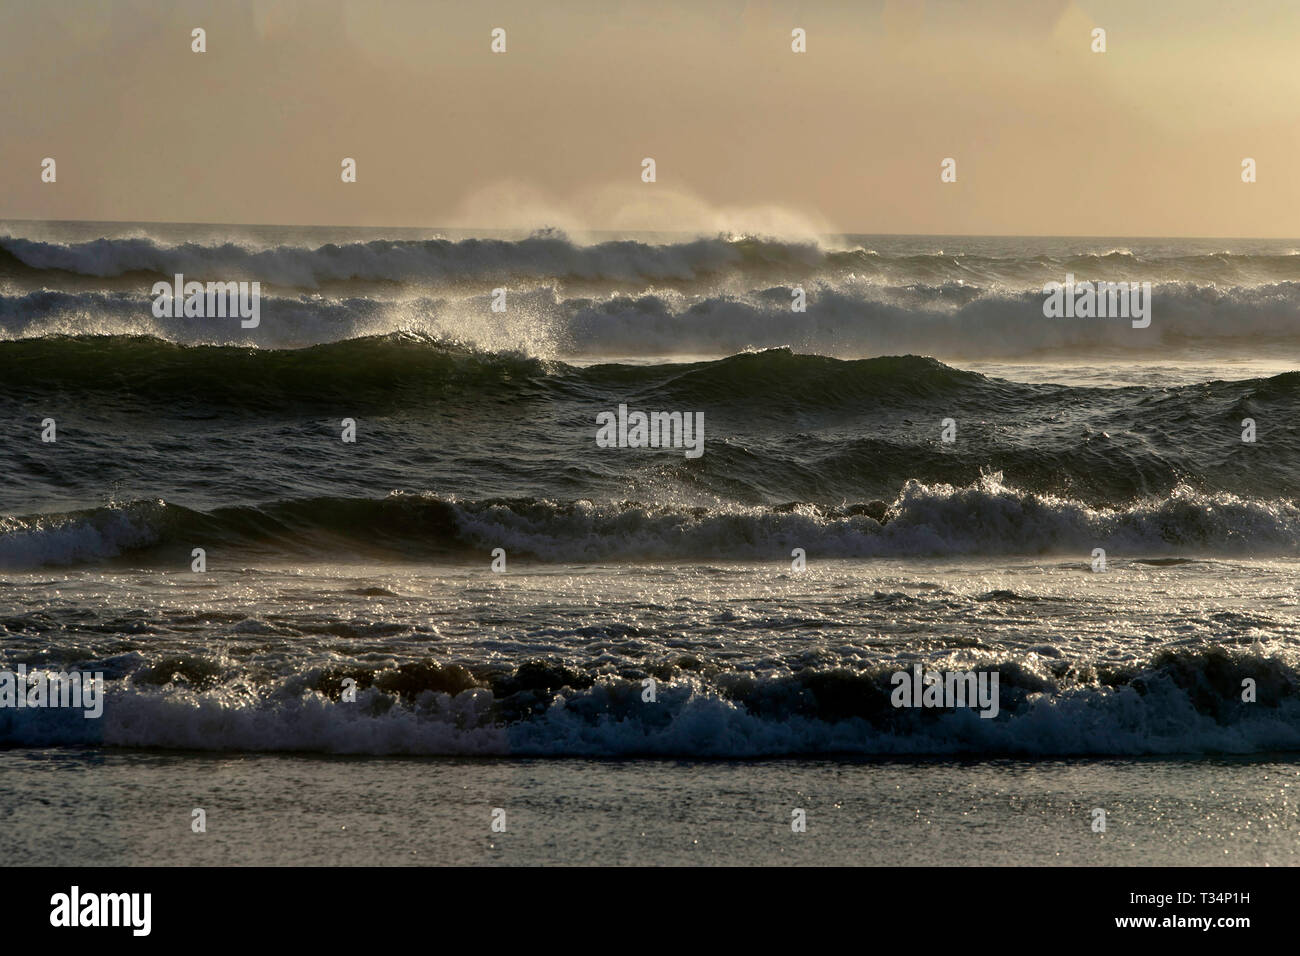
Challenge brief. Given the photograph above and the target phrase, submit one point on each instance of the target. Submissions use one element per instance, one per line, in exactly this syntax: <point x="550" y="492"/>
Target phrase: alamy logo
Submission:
<point x="652" y="430"/>
<point x="1100" y="300"/>
<point x="215" y="300"/>
<point x="948" y="689"/>
<point x="45" y="689"/>
<point x="103" y="909"/>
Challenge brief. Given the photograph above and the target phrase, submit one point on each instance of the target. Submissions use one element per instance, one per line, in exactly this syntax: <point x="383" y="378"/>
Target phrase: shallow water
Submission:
<point x="136" y="808"/>
<point x="748" y="659"/>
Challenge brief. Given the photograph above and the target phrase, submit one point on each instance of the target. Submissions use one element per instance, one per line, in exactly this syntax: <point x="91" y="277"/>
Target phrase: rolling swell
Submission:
<point x="781" y="426"/>
<point x="151" y="367"/>
<point x="393" y="369"/>
<point x="402" y="367"/>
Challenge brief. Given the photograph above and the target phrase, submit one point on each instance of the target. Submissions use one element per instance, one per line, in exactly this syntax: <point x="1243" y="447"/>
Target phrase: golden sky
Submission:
<point x="1050" y="138"/>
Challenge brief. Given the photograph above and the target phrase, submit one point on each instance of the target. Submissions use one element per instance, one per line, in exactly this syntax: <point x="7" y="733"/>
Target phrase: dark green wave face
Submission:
<point x="246" y="445"/>
<point x="471" y="424"/>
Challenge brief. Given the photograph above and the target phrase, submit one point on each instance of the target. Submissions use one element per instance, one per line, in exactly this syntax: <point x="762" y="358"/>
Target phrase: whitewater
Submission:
<point x="369" y="565"/>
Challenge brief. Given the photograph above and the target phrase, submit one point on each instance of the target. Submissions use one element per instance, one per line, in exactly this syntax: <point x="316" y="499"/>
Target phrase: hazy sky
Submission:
<point x="1049" y="137"/>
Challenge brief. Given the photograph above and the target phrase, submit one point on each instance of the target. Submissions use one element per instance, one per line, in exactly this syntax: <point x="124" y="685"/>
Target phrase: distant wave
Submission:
<point x="553" y="256"/>
<point x="549" y="256"/>
<point x="947" y="320"/>
<point x="847" y="318"/>
<point x="1179" y="701"/>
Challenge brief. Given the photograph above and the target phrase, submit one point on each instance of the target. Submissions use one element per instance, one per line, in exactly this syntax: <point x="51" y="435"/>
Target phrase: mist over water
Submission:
<point x="665" y="297"/>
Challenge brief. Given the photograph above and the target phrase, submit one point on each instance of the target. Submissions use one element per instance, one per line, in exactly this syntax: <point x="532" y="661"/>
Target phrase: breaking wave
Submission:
<point x="987" y="518"/>
<point x="1184" y="701"/>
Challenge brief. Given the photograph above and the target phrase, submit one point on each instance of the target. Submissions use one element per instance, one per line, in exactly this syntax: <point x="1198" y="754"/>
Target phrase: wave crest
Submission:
<point x="1180" y="701"/>
<point x="985" y="518"/>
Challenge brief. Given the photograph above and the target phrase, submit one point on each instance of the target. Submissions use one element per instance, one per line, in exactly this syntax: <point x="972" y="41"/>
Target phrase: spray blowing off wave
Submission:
<point x="626" y="261"/>
<point x="430" y="260"/>
<point x="845" y="319"/>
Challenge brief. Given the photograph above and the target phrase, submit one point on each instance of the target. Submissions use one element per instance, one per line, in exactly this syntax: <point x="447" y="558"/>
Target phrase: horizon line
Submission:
<point x="683" y="232"/>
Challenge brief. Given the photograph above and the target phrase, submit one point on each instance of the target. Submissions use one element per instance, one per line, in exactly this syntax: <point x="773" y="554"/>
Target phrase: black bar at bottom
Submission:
<point x="335" y="905"/>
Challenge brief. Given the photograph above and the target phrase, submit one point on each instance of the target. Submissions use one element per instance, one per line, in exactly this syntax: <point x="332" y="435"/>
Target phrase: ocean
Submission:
<point x="634" y="653"/>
